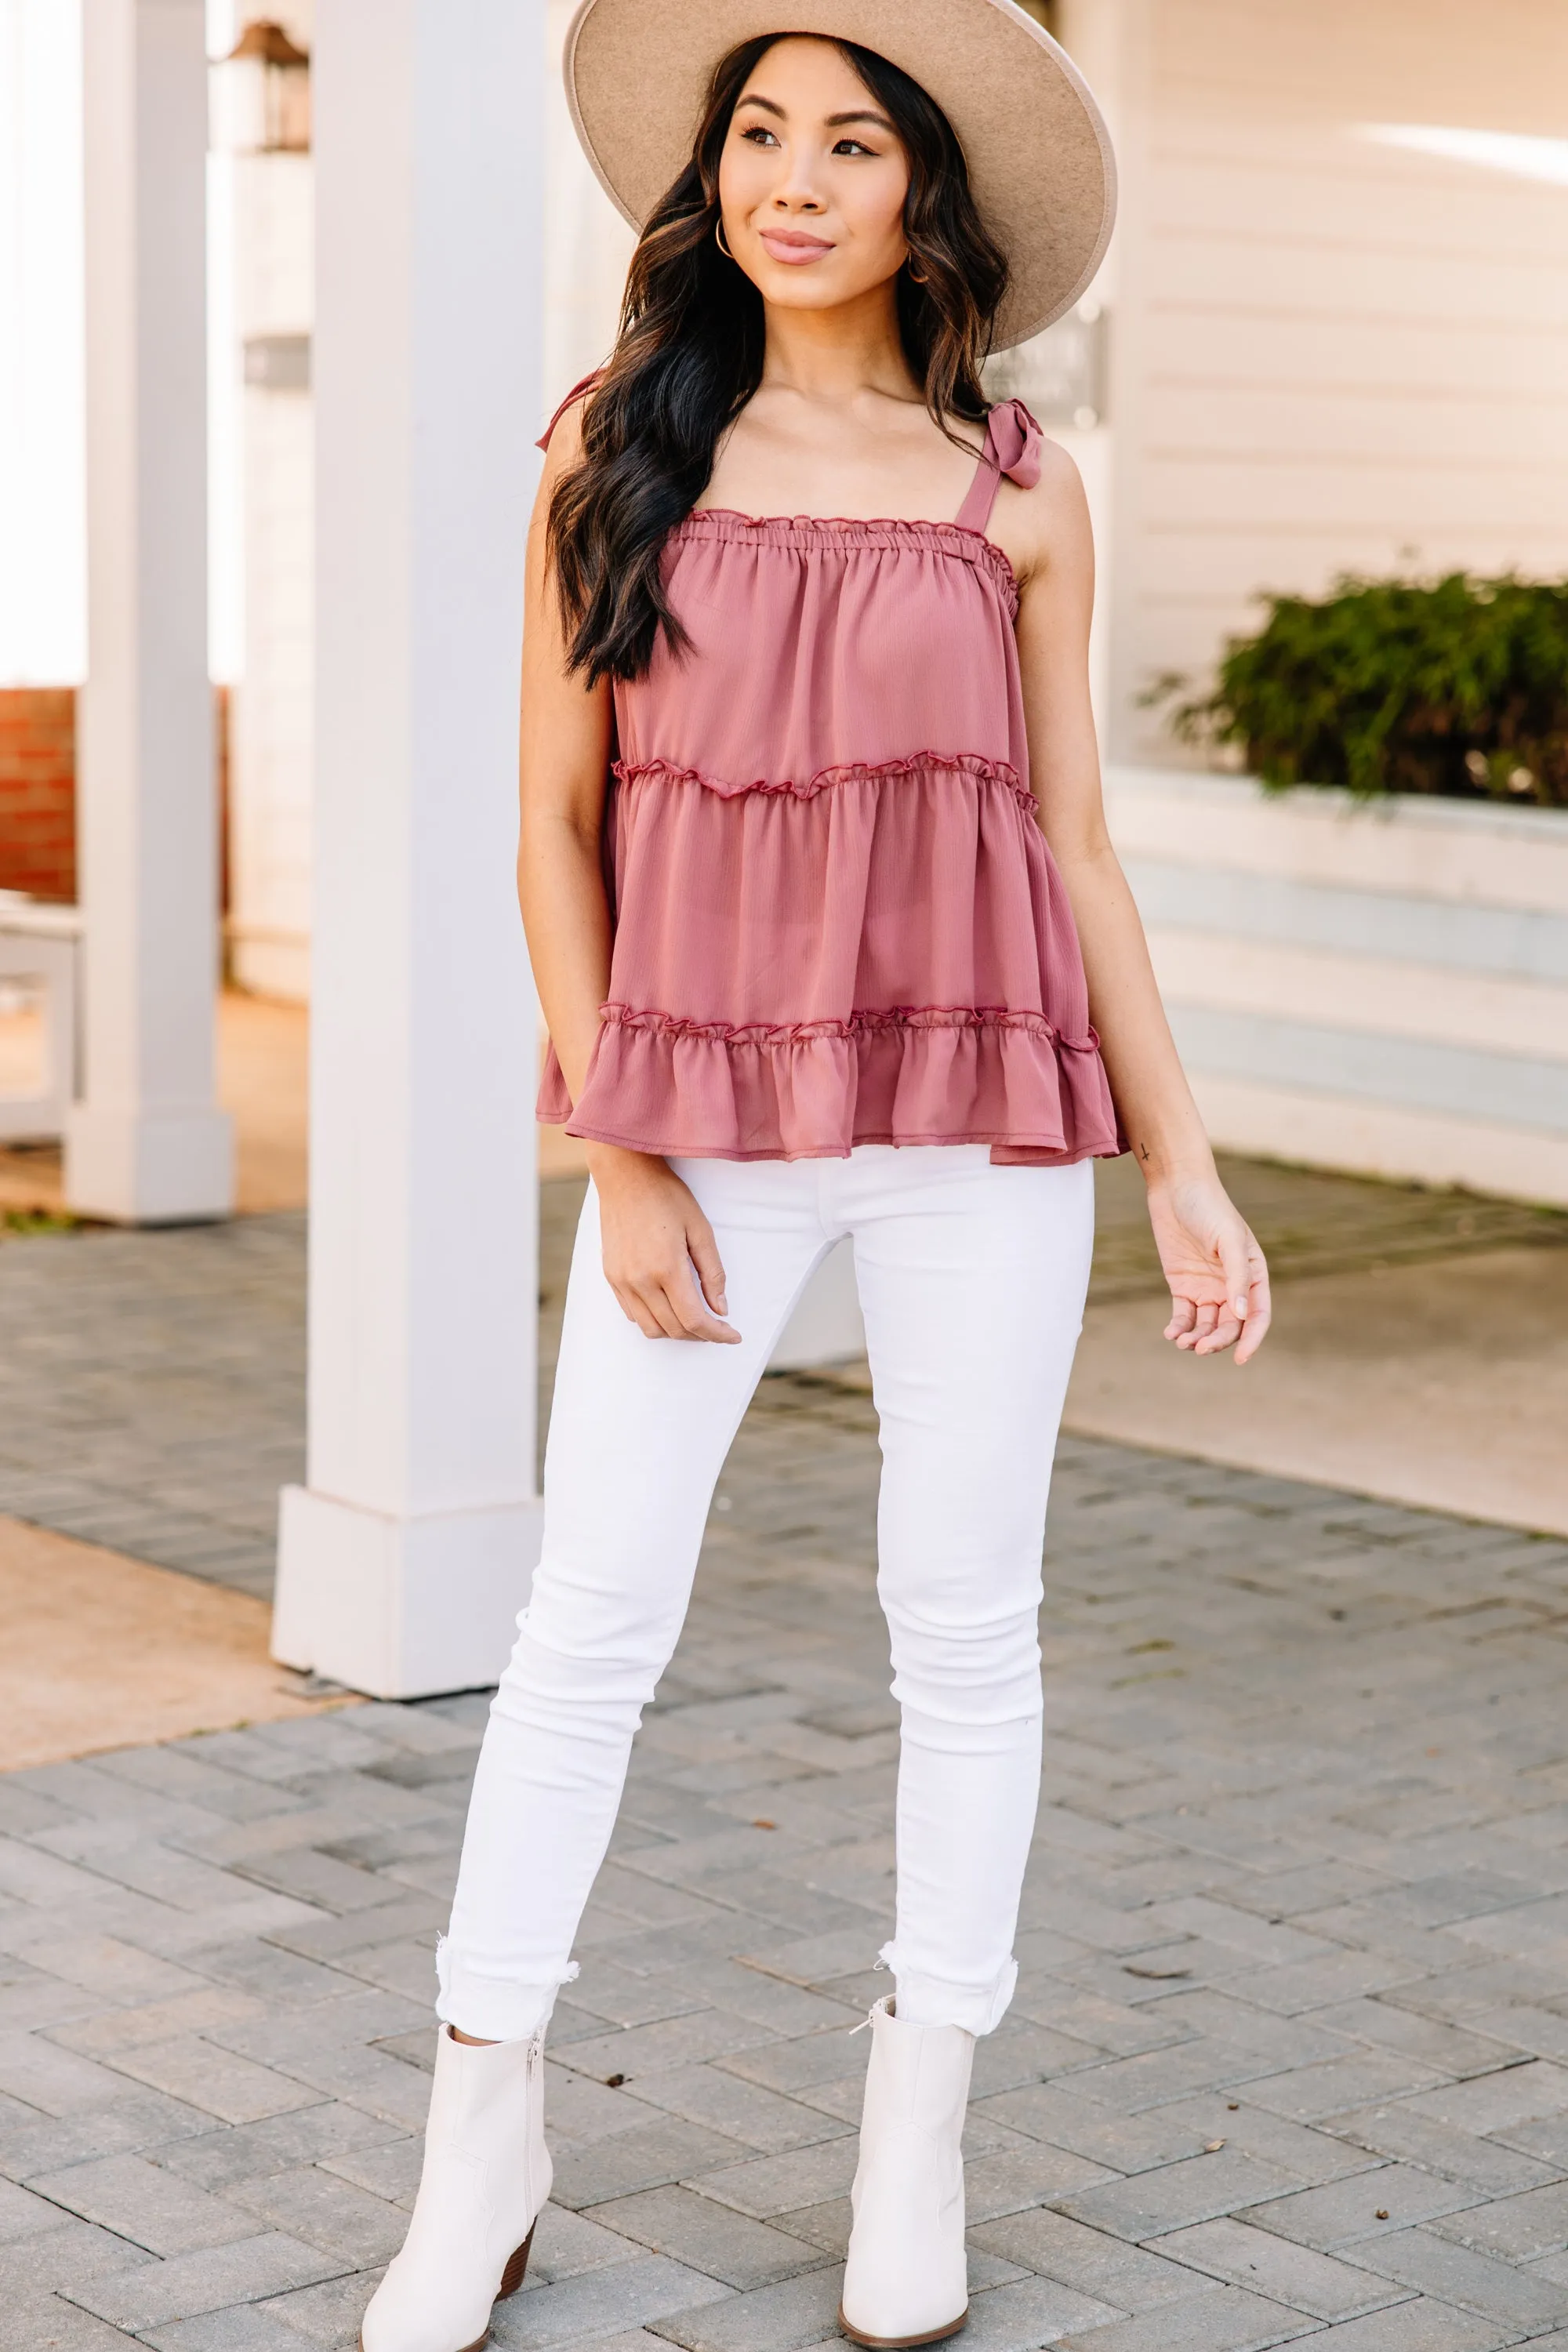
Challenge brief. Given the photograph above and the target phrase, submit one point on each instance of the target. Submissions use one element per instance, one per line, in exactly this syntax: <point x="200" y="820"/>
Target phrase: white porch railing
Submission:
<point x="39" y="949"/>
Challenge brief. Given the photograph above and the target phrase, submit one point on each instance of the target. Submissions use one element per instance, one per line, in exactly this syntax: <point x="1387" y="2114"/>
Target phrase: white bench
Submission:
<point x="39" y="948"/>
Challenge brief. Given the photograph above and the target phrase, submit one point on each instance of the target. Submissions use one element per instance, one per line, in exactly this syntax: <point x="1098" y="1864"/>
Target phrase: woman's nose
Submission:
<point x="797" y="191"/>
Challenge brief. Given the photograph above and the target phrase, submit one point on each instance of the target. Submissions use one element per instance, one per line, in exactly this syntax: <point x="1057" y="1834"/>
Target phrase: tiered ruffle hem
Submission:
<point x="742" y="893"/>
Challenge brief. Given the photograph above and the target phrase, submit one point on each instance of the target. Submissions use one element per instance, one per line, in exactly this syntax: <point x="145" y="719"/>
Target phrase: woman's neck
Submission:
<point x="833" y="356"/>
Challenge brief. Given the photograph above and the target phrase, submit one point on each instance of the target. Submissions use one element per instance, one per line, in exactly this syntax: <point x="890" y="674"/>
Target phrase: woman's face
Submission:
<point x="812" y="180"/>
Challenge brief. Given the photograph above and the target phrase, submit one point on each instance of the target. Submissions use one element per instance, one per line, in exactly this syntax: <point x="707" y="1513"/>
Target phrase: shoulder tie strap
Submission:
<point x="575" y="394"/>
<point x="1012" y="447"/>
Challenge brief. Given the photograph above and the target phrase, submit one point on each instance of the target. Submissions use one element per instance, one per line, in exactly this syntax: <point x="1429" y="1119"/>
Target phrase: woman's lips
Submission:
<point x="788" y="245"/>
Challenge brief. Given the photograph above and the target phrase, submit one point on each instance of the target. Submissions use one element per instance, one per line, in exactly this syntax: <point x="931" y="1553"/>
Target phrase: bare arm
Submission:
<point x="659" y="1252"/>
<point x="1219" y="1284"/>
<point x="563" y="758"/>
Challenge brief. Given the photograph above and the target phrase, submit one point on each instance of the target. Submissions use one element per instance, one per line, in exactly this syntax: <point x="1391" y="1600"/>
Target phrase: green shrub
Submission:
<point x="1387" y="686"/>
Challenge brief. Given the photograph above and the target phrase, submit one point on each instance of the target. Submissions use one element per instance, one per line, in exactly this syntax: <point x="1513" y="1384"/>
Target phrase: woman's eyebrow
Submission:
<point x="833" y="121"/>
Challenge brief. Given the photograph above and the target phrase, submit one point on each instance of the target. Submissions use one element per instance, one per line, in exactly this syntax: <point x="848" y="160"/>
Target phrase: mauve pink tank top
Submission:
<point x="836" y="920"/>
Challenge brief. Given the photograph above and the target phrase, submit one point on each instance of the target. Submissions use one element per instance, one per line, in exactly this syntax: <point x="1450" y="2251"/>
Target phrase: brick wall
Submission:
<point x="37" y="790"/>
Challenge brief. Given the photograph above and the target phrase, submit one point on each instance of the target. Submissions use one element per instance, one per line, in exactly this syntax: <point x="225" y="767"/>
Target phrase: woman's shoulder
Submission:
<point x="1059" y="481"/>
<point x="1043" y="506"/>
<point x="562" y="439"/>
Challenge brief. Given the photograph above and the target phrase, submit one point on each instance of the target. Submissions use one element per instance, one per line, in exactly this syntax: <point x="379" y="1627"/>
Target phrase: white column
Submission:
<point x="147" y="1143"/>
<point x="403" y="1560"/>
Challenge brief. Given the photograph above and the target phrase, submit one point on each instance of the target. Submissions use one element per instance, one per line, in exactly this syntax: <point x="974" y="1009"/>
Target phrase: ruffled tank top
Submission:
<point x="836" y="919"/>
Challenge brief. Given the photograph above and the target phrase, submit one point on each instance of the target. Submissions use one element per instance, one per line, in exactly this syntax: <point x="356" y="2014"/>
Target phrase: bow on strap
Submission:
<point x="1016" y="439"/>
<point x="575" y="394"/>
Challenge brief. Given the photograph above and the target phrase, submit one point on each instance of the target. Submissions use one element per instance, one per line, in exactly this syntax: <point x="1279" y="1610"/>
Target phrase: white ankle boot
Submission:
<point x="906" y="2280"/>
<point x="486" y="2176"/>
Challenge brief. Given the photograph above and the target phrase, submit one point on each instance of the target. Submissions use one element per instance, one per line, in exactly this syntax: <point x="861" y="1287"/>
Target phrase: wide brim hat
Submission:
<point x="1040" y="156"/>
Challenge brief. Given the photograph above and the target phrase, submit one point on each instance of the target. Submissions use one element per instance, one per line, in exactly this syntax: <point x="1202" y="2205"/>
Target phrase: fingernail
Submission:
<point x="1241" y="1305"/>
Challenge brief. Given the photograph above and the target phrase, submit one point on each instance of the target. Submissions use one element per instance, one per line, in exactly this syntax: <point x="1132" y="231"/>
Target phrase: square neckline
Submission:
<point x="980" y="496"/>
<point x="977" y="502"/>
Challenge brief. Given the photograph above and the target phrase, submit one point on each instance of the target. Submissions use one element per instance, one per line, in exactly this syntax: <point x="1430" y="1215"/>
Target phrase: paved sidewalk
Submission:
<point x="1289" y="2056"/>
<point x="153" y="1390"/>
<point x="1442" y="1386"/>
<point x="1419" y="1349"/>
<point x="152" y="1384"/>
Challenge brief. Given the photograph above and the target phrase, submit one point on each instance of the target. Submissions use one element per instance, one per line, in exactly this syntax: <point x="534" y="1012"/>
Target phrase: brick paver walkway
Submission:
<point x="152" y="1384"/>
<point x="153" y="1390"/>
<point x="1289" y="2056"/>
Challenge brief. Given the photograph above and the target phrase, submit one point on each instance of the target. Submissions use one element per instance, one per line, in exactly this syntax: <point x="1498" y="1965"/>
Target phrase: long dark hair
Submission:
<point x="690" y="355"/>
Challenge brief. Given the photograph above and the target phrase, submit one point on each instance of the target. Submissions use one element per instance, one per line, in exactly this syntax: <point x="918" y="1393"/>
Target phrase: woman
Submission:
<point x="833" y="985"/>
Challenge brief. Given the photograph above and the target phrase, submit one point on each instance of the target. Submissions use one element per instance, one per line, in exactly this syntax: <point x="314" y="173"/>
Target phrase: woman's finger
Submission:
<point x="1224" y="1334"/>
<point x="1234" y="1253"/>
<point x="1260" y="1311"/>
<point x="709" y="1267"/>
<point x="1255" y="1334"/>
<point x="689" y="1302"/>
<point x="1204" y="1315"/>
<point x="670" y="1305"/>
<point x="1182" y="1314"/>
<point x="634" y="1310"/>
<point x="657" y="1302"/>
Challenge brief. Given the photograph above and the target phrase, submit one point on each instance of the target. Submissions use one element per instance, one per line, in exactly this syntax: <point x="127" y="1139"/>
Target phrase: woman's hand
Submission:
<point x="660" y="1257"/>
<point x="1219" y="1283"/>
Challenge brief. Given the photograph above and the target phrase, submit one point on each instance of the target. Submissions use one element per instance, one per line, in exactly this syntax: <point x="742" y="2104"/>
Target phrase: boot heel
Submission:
<point x="512" y="2278"/>
<point x="901" y="2343"/>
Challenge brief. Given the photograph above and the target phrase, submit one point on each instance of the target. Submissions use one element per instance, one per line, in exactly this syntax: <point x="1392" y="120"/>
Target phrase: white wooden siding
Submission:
<point x="1375" y="988"/>
<point x="1331" y="356"/>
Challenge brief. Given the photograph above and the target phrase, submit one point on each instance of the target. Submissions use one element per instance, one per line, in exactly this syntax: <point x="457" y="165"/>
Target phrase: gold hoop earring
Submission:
<point x="916" y="277"/>
<point x="718" y="236"/>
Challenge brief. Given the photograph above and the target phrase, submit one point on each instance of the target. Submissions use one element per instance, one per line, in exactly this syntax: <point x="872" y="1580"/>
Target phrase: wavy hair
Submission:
<point x="689" y="356"/>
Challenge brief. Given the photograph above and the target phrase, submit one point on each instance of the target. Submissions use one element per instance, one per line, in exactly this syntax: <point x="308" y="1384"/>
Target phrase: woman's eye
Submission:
<point x="852" y="147"/>
<point x="760" y="135"/>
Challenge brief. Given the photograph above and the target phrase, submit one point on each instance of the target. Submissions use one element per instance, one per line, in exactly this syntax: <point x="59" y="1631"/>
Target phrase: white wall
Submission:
<point x="589" y="245"/>
<point x="1329" y="355"/>
<point x="43" y="543"/>
<point x="43" y="550"/>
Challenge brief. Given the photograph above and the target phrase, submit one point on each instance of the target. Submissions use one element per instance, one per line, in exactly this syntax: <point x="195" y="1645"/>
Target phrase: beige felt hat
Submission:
<point x="1038" y="154"/>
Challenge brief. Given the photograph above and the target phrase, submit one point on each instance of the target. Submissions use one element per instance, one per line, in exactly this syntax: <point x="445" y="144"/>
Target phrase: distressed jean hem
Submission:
<point x="489" y="2008"/>
<point x="924" y="2000"/>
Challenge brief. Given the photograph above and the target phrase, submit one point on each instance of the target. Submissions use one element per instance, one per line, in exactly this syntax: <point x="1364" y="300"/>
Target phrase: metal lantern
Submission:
<point x="266" y="92"/>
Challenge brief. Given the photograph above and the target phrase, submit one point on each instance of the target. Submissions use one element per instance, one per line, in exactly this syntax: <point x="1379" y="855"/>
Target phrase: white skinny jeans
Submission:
<point x="972" y="1281"/>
